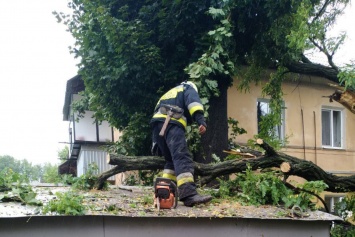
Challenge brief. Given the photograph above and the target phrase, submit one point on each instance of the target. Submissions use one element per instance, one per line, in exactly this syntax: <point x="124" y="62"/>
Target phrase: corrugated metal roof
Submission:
<point x="132" y="202"/>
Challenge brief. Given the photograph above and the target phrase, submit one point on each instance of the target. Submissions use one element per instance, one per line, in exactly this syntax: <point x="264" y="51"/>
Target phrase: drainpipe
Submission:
<point x="315" y="137"/>
<point x="304" y="143"/>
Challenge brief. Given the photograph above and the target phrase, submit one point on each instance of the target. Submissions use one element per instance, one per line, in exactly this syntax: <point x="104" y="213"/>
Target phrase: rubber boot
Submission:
<point x="196" y="199"/>
<point x="189" y="196"/>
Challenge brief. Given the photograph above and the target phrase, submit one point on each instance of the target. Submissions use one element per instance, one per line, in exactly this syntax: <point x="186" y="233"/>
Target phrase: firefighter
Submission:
<point x="176" y="108"/>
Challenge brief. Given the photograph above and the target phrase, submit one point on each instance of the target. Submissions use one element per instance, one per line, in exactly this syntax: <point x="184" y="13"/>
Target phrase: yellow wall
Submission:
<point x="116" y="134"/>
<point x="304" y="95"/>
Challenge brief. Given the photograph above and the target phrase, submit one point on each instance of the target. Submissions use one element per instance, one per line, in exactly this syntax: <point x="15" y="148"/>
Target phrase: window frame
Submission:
<point x="331" y="110"/>
<point x="283" y="112"/>
<point x="332" y="200"/>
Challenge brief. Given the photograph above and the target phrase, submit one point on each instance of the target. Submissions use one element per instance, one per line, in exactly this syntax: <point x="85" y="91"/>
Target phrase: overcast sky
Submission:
<point x="346" y="23"/>
<point x="34" y="66"/>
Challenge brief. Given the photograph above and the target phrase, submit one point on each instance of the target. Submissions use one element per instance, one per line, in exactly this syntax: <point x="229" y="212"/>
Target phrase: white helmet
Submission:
<point x="190" y="83"/>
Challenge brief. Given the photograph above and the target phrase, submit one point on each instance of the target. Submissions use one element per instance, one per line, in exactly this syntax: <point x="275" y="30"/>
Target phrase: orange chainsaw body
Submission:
<point x="165" y="196"/>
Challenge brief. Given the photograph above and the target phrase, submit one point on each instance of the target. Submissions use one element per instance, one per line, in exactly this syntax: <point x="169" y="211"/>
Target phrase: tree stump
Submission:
<point x="285" y="167"/>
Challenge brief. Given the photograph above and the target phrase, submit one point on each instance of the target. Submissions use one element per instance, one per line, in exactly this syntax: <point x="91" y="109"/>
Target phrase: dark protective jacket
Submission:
<point x="186" y="98"/>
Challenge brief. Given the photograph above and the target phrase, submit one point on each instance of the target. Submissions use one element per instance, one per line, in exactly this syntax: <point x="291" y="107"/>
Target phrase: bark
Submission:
<point x="215" y="140"/>
<point x="208" y="172"/>
<point x="314" y="70"/>
<point x="346" y="98"/>
<point x="127" y="163"/>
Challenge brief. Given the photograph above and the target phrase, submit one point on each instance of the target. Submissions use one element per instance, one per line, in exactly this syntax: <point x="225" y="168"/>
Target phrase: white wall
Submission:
<point x="92" y="154"/>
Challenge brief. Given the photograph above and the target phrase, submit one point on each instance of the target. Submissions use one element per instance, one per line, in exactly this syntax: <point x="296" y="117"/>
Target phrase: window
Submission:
<point x="332" y="128"/>
<point x="263" y="108"/>
<point x="331" y="201"/>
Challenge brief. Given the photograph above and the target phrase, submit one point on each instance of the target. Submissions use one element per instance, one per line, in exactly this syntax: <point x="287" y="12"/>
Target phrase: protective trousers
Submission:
<point x="179" y="163"/>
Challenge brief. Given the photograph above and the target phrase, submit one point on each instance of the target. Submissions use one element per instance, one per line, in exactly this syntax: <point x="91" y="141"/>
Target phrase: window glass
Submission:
<point x="326" y="128"/>
<point x="331" y="202"/>
<point x="263" y="108"/>
<point x="332" y="128"/>
<point x="337" y="128"/>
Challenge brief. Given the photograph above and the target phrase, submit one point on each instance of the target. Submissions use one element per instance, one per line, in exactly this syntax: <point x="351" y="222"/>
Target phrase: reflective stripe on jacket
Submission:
<point x="183" y="96"/>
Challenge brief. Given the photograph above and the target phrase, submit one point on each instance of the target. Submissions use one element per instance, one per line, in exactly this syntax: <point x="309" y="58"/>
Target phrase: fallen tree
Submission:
<point x="345" y="97"/>
<point x="207" y="172"/>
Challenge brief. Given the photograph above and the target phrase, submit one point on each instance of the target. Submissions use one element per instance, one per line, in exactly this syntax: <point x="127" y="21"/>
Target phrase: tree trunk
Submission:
<point x="209" y="172"/>
<point x="215" y="140"/>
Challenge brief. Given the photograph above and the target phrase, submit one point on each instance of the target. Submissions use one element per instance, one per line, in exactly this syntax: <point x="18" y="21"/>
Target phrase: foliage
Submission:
<point x="143" y="177"/>
<point x="67" y="203"/>
<point x="50" y="173"/>
<point x="148" y="200"/>
<point x="15" y="187"/>
<point x="346" y="207"/>
<point x="347" y="76"/>
<point x="267" y="188"/>
<point x="193" y="138"/>
<point x="23" y="194"/>
<point x="87" y="180"/>
<point x="235" y="130"/>
<point x="131" y="52"/>
<point x="9" y="162"/>
<point x="46" y="172"/>
<point x="134" y="139"/>
<point x="63" y="154"/>
<point x="67" y="179"/>
<point x="340" y="230"/>
<point x="7" y="177"/>
<point x="258" y="189"/>
<point x="303" y="199"/>
<point x="268" y="122"/>
<point x="218" y="58"/>
<point x="118" y="57"/>
<point x="131" y="180"/>
<point x="23" y="167"/>
<point x="147" y="177"/>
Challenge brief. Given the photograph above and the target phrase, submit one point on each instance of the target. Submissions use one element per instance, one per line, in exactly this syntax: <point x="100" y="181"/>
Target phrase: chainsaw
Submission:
<point x="165" y="194"/>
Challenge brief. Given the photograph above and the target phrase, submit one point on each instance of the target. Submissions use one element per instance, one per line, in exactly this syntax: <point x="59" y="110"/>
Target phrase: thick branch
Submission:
<point x="127" y="163"/>
<point x="315" y="70"/>
<point x="270" y="151"/>
<point x="346" y="98"/>
<point x="208" y="172"/>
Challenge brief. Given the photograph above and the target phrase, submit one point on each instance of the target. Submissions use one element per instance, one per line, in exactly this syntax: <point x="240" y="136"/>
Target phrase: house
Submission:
<point x="86" y="136"/>
<point x="313" y="127"/>
<point x="311" y="124"/>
